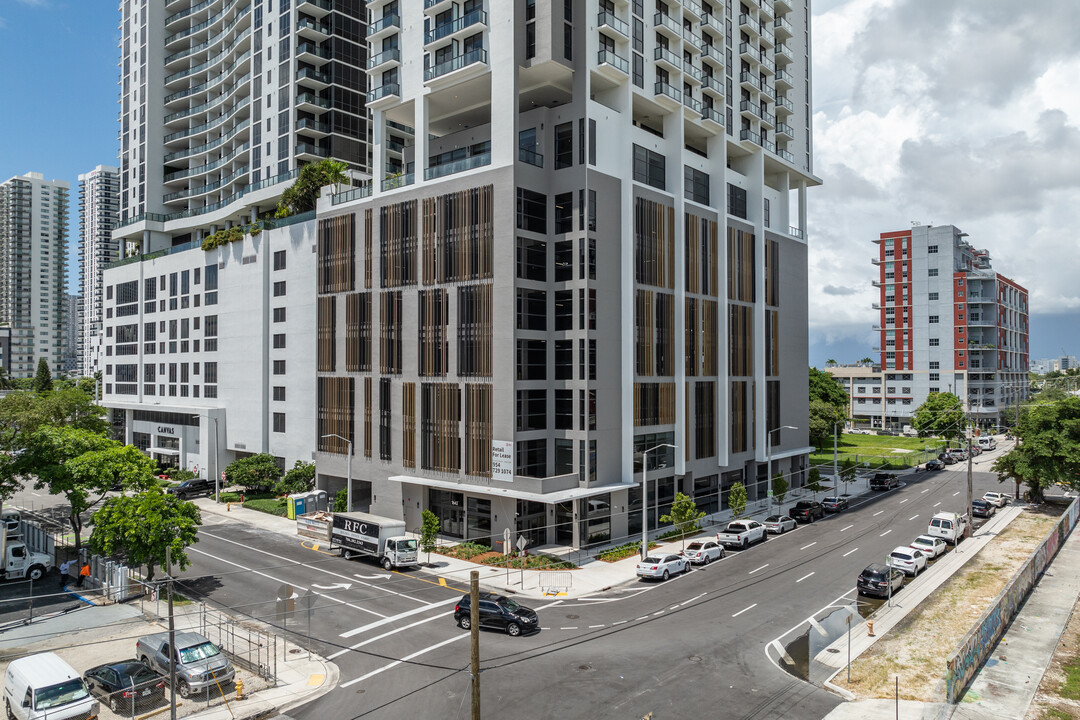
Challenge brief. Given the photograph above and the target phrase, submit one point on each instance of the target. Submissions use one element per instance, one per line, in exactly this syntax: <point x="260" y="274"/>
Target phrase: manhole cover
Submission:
<point x="295" y="651"/>
<point x="361" y="691"/>
<point x="694" y="658"/>
<point x="572" y="617"/>
<point x="832" y="650"/>
<point x="584" y="667"/>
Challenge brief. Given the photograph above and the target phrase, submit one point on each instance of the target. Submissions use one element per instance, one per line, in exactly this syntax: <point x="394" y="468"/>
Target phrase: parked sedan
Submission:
<point x="807" y="511"/>
<point x="834" y="504"/>
<point x="935" y="465"/>
<point x="876" y="580"/>
<point x="126" y="684"/>
<point x="703" y="552"/>
<point x="497" y="612"/>
<point x="947" y="459"/>
<point x="929" y="546"/>
<point x="779" y="524"/>
<point x="908" y="560"/>
<point x="996" y="499"/>
<point x="983" y="509"/>
<point x="662" y="566"/>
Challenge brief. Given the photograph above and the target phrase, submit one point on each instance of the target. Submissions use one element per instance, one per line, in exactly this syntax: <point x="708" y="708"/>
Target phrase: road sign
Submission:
<point x="522" y="542"/>
<point x="506" y="541"/>
<point x="222" y="474"/>
<point x="195" y="469"/>
<point x="286" y="602"/>
<point x="307" y="602"/>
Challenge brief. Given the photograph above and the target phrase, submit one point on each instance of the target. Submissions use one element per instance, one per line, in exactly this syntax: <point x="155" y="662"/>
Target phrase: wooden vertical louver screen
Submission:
<point x="335" y="413"/>
<point x="654" y="404"/>
<point x="458" y="236"/>
<point x="772" y="272"/>
<point x="714" y="261"/>
<point x="644" y="332"/>
<point x="434" y="348"/>
<point x="478" y="429"/>
<point x="367" y="417"/>
<point x="408" y="425"/>
<point x="692" y="241"/>
<point x="475" y="330"/>
<point x="709" y="347"/>
<point x="741" y="340"/>
<point x="337" y="246"/>
<point x="326" y="345"/>
<point x="358" y="332"/>
<point x="390" y="332"/>
<point x="654" y="244"/>
<point x="397" y="244"/>
<point x="691" y="336"/>
<point x="440" y="422"/>
<point x="740" y="265"/>
<point x="367" y="248"/>
<point x="738" y="416"/>
<point x="772" y="342"/>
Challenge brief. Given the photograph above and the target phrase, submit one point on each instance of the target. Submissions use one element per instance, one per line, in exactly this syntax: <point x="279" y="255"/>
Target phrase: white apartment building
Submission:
<point x="33" y="282"/>
<point x="222" y="101"/>
<point x="208" y="354"/>
<point x="948" y="323"/>
<point x="99" y="212"/>
<point x="583" y="240"/>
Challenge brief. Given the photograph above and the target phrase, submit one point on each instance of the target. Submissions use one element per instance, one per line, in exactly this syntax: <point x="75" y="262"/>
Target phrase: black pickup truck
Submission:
<point x="884" y="481"/>
<point x="807" y="511"/>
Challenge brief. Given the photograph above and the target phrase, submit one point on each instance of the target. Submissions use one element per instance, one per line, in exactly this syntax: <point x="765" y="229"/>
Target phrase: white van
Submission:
<point x="948" y="526"/>
<point x="988" y="443"/>
<point x="44" y="686"/>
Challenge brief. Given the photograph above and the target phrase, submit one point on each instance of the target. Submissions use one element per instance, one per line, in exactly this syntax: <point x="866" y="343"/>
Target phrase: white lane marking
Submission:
<point x="936" y="504"/>
<point x="760" y="568"/>
<point x="810" y="545"/>
<point x="658" y="612"/>
<point x="295" y="587"/>
<point x="687" y="602"/>
<point x="620" y="622"/>
<point x="847" y="528"/>
<point x="392" y="618"/>
<point x="848" y="552"/>
<point x="781" y="651"/>
<point x="818" y="626"/>
<point x="35" y="494"/>
<point x="407" y="658"/>
<point x="744" y="610"/>
<point x="956" y="493"/>
<point x="904" y="500"/>
<point x="339" y="653"/>
<point x="803" y="578"/>
<point x="877" y="513"/>
<point x="673" y="607"/>
<point x="885" y="533"/>
<point x="913" y="517"/>
<point x="311" y="567"/>
<point x="593" y="627"/>
<point x="569" y="628"/>
<point x="550" y="604"/>
<point x="643" y="617"/>
<point x="927" y="490"/>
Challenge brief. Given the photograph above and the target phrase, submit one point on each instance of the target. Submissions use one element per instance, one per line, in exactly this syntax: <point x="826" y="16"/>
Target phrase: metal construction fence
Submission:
<point x="248" y="646"/>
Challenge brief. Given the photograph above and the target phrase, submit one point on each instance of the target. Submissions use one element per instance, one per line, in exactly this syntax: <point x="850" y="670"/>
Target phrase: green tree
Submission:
<point x="684" y="515"/>
<point x="299" y="479"/>
<point x="941" y="414"/>
<point x="254" y="472"/>
<point x="5" y="379"/>
<point x="823" y="416"/>
<point x="22" y="413"/>
<point x="848" y="471"/>
<point x="43" y="382"/>
<point x="1048" y="451"/>
<point x="303" y="194"/>
<point x="813" y="483"/>
<point x="826" y="388"/>
<point x="780" y="488"/>
<point x="737" y="500"/>
<point x="866" y="361"/>
<point x="429" y="532"/>
<point x="80" y="465"/>
<point x="341" y="500"/>
<point x="140" y="527"/>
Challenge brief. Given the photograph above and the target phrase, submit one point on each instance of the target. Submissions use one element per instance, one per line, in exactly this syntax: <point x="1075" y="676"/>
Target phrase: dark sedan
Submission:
<point x="982" y="508"/>
<point x="935" y="465"/>
<point x="947" y="459"/>
<point x="126" y="684"/>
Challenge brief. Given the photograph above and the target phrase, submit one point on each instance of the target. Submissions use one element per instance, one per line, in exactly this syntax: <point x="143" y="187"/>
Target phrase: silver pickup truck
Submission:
<point x="200" y="664"/>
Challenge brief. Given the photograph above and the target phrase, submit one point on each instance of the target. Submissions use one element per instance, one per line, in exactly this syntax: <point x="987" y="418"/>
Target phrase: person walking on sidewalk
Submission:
<point x="65" y="568"/>
<point x="84" y="572"/>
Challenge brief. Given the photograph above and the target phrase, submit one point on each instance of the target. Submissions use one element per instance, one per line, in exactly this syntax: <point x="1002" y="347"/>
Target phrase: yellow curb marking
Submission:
<point x="442" y="581"/>
<point x="315" y="680"/>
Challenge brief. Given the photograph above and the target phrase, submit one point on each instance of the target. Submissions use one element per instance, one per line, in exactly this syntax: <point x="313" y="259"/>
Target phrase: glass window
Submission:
<point x="649" y="167"/>
<point x="564" y="212"/>
<point x="564" y="145"/>
<point x="531" y="259"/>
<point x="531" y="211"/>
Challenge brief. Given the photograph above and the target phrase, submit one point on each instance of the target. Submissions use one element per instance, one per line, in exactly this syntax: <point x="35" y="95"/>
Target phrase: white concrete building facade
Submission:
<point x="33" y="273"/>
<point x="99" y="213"/>
<point x="208" y="354"/>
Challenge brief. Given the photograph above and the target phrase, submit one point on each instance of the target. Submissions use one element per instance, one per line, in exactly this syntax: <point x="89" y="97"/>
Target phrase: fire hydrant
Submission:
<point x="228" y="507"/>
<point x="239" y="689"/>
<point x="869" y="630"/>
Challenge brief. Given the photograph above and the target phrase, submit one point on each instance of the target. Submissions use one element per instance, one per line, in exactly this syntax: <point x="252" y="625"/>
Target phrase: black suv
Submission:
<point x="498" y="612"/>
<point x="884" y="481"/>
<point x="874" y="580"/>
<point x="807" y="511"/>
<point x="191" y="488"/>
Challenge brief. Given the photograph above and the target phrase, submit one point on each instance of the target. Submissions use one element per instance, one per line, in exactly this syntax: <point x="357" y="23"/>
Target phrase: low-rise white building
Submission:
<point x="209" y="355"/>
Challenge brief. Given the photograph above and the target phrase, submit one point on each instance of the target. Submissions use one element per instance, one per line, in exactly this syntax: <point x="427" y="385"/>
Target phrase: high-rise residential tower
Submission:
<point x="33" y="285"/>
<point x="99" y="212"/>
<point x="584" y="240"/>
<point x="222" y="101"/>
<point x="948" y="323"/>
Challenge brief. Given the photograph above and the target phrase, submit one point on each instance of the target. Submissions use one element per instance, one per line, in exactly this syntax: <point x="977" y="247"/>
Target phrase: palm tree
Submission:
<point x="867" y="361"/>
<point x="830" y="363"/>
<point x="5" y="379"/>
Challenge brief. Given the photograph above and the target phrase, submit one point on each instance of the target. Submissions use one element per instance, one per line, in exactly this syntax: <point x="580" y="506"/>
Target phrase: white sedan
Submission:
<point x="996" y="499"/>
<point x="779" y="524"/>
<point x="703" y="552"/>
<point x="907" y="560"/>
<point x="929" y="546"/>
<point x="661" y="567"/>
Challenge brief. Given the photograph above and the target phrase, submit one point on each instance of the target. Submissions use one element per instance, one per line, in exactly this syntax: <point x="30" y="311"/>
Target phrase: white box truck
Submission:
<point x="357" y="534"/>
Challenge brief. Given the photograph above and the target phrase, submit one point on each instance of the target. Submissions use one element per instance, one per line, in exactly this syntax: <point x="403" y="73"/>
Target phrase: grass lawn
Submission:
<point x="268" y="505"/>
<point x="879" y="450"/>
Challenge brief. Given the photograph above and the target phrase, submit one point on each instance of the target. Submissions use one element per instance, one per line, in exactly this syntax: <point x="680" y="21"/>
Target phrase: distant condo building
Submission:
<point x="33" y="285"/>
<point x="948" y="323"/>
<point x="99" y="212"/>
<point x="222" y="102"/>
<point x="584" y="240"/>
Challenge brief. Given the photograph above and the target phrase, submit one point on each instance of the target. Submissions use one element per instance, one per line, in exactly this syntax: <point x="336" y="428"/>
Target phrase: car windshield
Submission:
<point x="873" y="575"/>
<point x="406" y="545"/>
<point x="694" y="546"/>
<point x="651" y="560"/>
<point x="199" y="652"/>
<point x="900" y="556"/>
<point x="510" y="605"/>
<point x="135" y="672"/>
<point x="772" y="519"/>
<point x="59" y="694"/>
<point x="735" y="528"/>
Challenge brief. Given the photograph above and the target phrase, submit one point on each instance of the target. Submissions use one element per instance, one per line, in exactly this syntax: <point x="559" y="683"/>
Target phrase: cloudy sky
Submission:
<point x="945" y="112"/>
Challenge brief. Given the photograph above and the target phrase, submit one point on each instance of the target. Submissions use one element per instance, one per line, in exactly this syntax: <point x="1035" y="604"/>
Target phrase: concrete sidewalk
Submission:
<point x="1006" y="684"/>
<point x="591" y="575"/>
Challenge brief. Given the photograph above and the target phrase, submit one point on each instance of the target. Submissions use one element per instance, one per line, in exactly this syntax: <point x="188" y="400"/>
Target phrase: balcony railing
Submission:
<point x="786" y="155"/>
<point x="666" y="21"/>
<point x="613" y="22"/>
<point x="457" y="166"/>
<point x="663" y="88"/>
<point x="310" y="99"/>
<point x="711" y="113"/>
<point x="310" y="149"/>
<point x="783" y="102"/>
<point x="396" y="181"/>
<point x="531" y="157"/>
<point x="382" y="91"/>
<point x="782" y="24"/>
<point x="692" y="103"/>
<point x="440" y="31"/>
<point x="478" y="55"/>
<point x="608" y="57"/>
<point x="750" y="79"/>
<point x="313" y="74"/>
<point x="796" y="232"/>
<point x="357" y="193"/>
<point x="711" y="82"/>
<point x="383" y="23"/>
<point x="691" y="71"/>
<point x="662" y="53"/>
<point x="384" y="57"/>
<point x="750" y="135"/>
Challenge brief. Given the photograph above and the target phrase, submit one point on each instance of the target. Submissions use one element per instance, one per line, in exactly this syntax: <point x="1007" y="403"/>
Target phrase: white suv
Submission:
<point x="996" y="499"/>
<point x="908" y="560"/>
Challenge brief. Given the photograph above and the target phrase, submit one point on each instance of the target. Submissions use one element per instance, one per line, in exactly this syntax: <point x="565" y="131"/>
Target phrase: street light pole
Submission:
<point x="348" y="469"/>
<point x="645" y="497"/>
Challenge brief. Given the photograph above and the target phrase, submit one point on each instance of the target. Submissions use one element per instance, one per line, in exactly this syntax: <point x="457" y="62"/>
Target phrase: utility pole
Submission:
<point x="835" y="467"/>
<point x="967" y="513"/>
<point x="474" y="632"/>
<point x="172" y="637"/>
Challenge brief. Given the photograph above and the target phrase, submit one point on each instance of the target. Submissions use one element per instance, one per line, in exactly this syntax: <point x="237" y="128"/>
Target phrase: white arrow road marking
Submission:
<point x="377" y="576"/>
<point x="335" y="586"/>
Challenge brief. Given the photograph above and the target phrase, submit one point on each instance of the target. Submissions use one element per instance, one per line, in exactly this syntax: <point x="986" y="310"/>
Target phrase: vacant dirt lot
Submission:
<point x="917" y="648"/>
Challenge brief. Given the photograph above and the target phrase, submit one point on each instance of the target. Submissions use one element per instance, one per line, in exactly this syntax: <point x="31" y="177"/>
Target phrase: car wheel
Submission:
<point x="114" y="704"/>
<point x="465" y="622"/>
<point x="745" y="543"/>
<point x="706" y="561"/>
<point x="513" y="629"/>
<point x="36" y="573"/>
<point x="347" y="554"/>
<point x="387" y="565"/>
<point x="665" y="576"/>
<point x="723" y="553"/>
<point x="7" y="710"/>
<point x="184" y="689"/>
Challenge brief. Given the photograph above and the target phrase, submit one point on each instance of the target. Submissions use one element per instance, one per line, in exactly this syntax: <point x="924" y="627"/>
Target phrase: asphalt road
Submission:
<point x="710" y="639"/>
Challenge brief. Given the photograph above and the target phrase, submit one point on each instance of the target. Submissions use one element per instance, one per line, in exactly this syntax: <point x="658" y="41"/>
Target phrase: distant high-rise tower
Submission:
<point x="33" y="285"/>
<point x="99" y="212"/>
<point x="222" y="103"/>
